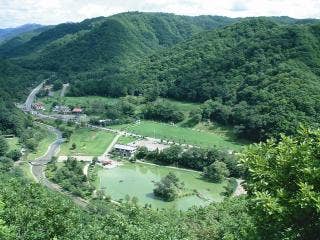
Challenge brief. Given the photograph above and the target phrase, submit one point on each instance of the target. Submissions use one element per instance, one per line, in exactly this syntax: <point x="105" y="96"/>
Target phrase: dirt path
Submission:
<point x="109" y="148"/>
<point x="240" y="189"/>
<point x="85" y="169"/>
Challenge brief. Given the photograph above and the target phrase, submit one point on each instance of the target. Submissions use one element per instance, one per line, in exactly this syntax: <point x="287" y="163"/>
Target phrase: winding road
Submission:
<point x="38" y="165"/>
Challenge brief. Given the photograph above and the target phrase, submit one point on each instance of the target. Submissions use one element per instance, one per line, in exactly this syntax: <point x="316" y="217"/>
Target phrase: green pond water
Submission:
<point x="137" y="179"/>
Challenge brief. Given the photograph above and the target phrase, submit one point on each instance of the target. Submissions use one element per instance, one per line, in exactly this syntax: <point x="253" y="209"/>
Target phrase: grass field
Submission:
<point x="88" y="143"/>
<point x="126" y="139"/>
<point x="13" y="143"/>
<point x="42" y="147"/>
<point x="182" y="135"/>
<point x="26" y="170"/>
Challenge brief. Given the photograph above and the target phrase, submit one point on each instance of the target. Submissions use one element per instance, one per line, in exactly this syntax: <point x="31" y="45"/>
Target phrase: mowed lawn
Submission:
<point x="181" y="135"/>
<point x="88" y="143"/>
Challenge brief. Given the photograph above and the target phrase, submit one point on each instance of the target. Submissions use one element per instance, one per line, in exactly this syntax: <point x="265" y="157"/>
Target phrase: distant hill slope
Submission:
<point x="264" y="77"/>
<point x="101" y="43"/>
<point x="8" y="33"/>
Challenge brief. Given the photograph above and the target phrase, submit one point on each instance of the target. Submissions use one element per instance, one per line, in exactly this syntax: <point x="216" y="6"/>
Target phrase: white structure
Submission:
<point x="125" y="150"/>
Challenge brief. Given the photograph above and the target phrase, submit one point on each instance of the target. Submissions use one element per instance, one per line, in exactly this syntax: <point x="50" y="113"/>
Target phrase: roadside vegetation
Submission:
<point x="69" y="175"/>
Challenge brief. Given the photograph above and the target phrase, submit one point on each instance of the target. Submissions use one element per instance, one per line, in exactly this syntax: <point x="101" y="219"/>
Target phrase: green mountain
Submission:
<point x="102" y="43"/>
<point x="263" y="77"/>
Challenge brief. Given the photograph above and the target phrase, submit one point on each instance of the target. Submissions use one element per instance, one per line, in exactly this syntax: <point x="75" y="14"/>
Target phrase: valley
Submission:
<point x="145" y="125"/>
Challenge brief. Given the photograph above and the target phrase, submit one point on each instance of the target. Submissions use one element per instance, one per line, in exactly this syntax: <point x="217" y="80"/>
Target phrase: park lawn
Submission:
<point x="88" y="143"/>
<point x="43" y="146"/>
<point x="182" y="135"/>
<point x="126" y="139"/>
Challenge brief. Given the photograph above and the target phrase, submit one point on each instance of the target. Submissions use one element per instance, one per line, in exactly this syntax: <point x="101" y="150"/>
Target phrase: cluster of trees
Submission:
<point x="194" y="158"/>
<point x="162" y="111"/>
<point x="283" y="186"/>
<point x="70" y="176"/>
<point x="169" y="188"/>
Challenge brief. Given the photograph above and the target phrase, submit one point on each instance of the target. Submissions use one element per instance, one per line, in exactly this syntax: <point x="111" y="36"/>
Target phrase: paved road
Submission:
<point x="31" y="97"/>
<point x="38" y="167"/>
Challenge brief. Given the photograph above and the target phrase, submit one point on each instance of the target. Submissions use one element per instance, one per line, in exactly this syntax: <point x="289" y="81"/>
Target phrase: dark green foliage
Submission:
<point x="71" y="178"/>
<point x="231" y="187"/>
<point x="168" y="188"/>
<point x="283" y="186"/>
<point x="263" y="78"/>
<point x="4" y="147"/>
<point x="216" y="172"/>
<point x="193" y="158"/>
<point x="162" y="111"/>
<point x="14" y="154"/>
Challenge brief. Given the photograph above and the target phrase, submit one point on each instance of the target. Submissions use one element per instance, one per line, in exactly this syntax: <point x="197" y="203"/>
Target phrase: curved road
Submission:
<point x="38" y="165"/>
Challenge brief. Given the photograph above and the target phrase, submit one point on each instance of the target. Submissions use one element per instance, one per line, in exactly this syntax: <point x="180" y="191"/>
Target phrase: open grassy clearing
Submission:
<point x="13" y="143"/>
<point x="181" y="135"/>
<point x="26" y="170"/>
<point x="42" y="148"/>
<point x="126" y="139"/>
<point x="88" y="143"/>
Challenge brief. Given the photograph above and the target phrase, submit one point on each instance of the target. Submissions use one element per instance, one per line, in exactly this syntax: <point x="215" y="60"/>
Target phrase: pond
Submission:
<point x="137" y="179"/>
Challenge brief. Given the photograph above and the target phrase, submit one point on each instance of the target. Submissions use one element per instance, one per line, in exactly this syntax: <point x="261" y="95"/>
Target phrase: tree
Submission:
<point x="216" y="172"/>
<point x="168" y="188"/>
<point x="14" y="154"/>
<point x="283" y="186"/>
<point x="73" y="146"/>
<point x="3" y="146"/>
<point x="6" y="233"/>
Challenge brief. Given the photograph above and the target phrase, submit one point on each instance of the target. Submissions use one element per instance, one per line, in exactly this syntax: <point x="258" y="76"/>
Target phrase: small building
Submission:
<point x="77" y="111"/>
<point x="125" y="150"/>
<point x="38" y="106"/>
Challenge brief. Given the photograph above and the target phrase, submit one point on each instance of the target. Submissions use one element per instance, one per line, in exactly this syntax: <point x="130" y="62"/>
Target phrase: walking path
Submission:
<point x="64" y="88"/>
<point x="240" y="189"/>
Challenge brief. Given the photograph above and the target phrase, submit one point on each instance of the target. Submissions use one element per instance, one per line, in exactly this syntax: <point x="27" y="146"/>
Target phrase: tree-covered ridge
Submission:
<point x="101" y="43"/>
<point x="262" y="77"/>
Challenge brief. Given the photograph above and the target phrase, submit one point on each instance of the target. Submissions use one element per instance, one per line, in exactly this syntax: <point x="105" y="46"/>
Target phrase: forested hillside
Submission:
<point x="108" y="43"/>
<point x="247" y="68"/>
<point x="259" y="76"/>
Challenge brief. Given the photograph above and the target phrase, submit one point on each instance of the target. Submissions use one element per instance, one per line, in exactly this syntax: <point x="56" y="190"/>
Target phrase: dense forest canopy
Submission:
<point x="259" y="76"/>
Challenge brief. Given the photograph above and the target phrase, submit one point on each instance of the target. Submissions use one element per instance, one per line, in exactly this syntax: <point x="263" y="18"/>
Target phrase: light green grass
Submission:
<point x="26" y="170"/>
<point x="88" y="143"/>
<point x="13" y="143"/>
<point x="126" y="139"/>
<point x="43" y="146"/>
<point x="184" y="107"/>
<point x="181" y="135"/>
